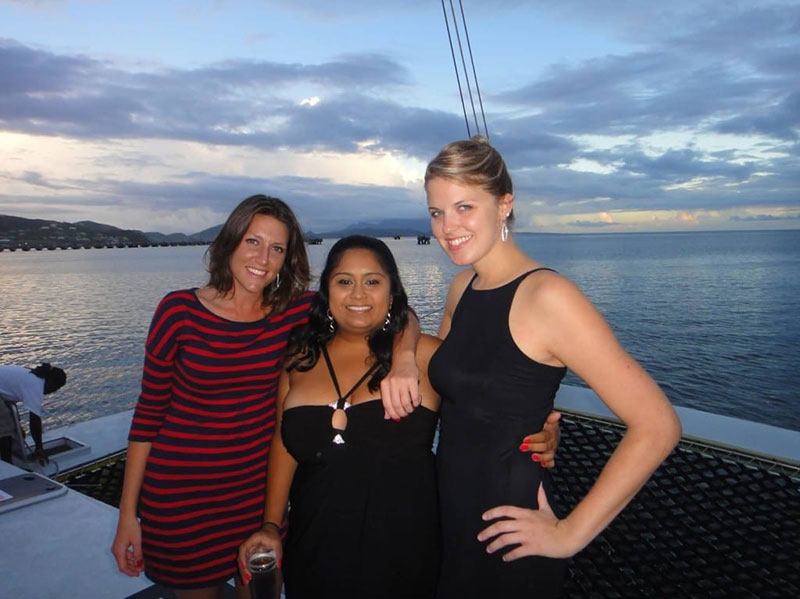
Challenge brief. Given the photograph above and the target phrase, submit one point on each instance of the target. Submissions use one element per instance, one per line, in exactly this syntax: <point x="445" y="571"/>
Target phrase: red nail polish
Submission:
<point x="138" y="563"/>
<point x="396" y="419"/>
<point x="535" y="457"/>
<point x="544" y="463"/>
<point x="523" y="447"/>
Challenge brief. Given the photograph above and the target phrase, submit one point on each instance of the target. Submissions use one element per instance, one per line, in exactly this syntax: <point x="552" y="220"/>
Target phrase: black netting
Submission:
<point x="709" y="523"/>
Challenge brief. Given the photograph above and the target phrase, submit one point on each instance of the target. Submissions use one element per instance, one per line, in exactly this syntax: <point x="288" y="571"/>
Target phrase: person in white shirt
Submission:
<point x="26" y="386"/>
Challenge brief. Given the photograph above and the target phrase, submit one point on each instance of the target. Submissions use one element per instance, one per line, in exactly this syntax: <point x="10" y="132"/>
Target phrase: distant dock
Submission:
<point x="25" y="247"/>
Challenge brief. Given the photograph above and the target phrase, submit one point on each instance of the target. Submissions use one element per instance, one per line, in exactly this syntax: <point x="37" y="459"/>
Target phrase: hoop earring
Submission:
<point x="504" y="232"/>
<point x="388" y="321"/>
<point x="277" y="281"/>
<point x="331" y="323"/>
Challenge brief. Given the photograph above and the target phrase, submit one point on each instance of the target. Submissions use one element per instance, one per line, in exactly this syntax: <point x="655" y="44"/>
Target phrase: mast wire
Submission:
<point x="455" y="68"/>
<point x="467" y="82"/>
<point x="474" y="72"/>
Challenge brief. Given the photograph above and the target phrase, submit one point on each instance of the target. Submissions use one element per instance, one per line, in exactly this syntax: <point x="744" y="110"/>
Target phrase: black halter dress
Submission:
<point x="363" y="517"/>
<point x="492" y="396"/>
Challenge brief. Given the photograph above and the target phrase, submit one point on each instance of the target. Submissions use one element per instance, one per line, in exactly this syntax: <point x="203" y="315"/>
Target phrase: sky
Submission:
<point x="612" y="115"/>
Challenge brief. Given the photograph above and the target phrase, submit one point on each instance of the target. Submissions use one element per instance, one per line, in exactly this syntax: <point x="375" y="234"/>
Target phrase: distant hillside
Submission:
<point x="16" y="231"/>
<point x="209" y="234"/>
<point x="206" y="235"/>
<point x="389" y="227"/>
<point x="156" y="237"/>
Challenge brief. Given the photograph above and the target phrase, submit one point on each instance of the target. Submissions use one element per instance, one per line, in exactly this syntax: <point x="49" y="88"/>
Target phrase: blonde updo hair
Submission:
<point x="475" y="162"/>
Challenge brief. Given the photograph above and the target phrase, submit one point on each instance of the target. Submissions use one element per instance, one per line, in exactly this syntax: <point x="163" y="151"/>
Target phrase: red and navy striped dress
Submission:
<point x="208" y="408"/>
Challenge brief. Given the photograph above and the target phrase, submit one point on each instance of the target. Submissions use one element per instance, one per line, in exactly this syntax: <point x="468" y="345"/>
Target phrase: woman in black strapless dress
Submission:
<point x="510" y="329"/>
<point x="362" y="488"/>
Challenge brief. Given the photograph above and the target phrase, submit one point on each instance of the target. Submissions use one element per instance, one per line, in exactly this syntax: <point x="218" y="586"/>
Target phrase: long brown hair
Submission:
<point x="294" y="274"/>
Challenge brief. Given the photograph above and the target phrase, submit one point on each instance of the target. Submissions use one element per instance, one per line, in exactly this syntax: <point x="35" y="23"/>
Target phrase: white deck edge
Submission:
<point x="59" y="547"/>
<point x="108" y="434"/>
<point x="762" y="440"/>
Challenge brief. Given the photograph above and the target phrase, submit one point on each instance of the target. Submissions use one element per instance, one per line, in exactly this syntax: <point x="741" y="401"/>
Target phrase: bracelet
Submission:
<point x="269" y="523"/>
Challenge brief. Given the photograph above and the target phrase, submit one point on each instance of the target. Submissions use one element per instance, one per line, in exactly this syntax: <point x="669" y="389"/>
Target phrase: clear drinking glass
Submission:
<point x="266" y="582"/>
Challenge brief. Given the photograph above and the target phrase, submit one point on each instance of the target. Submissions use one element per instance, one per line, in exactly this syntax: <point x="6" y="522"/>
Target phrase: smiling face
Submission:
<point x="359" y="292"/>
<point x="465" y="219"/>
<point x="259" y="255"/>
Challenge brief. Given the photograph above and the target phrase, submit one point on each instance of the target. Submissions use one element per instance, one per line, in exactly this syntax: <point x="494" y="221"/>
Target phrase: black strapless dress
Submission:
<point x="492" y="396"/>
<point x="363" y="518"/>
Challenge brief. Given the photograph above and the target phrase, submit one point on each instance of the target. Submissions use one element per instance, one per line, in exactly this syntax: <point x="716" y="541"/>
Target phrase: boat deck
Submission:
<point x="710" y="523"/>
<point x="714" y="520"/>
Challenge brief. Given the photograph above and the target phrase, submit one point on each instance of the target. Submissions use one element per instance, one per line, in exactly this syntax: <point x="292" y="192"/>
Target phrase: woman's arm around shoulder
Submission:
<point x="400" y="388"/>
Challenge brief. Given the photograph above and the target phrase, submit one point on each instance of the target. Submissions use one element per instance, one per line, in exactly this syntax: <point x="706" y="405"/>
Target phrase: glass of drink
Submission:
<point x="266" y="581"/>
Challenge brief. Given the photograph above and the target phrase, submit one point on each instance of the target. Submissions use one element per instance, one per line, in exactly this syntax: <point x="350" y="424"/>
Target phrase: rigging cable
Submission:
<point x="474" y="72"/>
<point x="455" y="68"/>
<point x="464" y="65"/>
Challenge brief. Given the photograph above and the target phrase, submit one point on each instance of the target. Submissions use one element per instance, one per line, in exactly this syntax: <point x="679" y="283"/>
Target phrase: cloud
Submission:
<point x="232" y="102"/>
<point x="310" y="198"/>
<point x="37" y="179"/>
<point x="691" y="74"/>
<point x="765" y="217"/>
<point x="696" y="109"/>
<point x="591" y="224"/>
<point x="348" y="9"/>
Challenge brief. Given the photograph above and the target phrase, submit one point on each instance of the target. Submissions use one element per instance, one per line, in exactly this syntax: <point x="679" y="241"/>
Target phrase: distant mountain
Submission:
<point x="16" y="231"/>
<point x="156" y="237"/>
<point x="209" y="234"/>
<point x="388" y="227"/>
<point x="206" y="236"/>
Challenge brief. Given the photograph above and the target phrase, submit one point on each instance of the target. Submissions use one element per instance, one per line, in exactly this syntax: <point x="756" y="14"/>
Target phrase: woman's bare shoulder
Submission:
<point x="545" y="287"/>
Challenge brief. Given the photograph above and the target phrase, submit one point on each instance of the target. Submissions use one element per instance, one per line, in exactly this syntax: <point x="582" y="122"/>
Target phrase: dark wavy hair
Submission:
<point x="306" y="342"/>
<point x="54" y="377"/>
<point x="294" y="274"/>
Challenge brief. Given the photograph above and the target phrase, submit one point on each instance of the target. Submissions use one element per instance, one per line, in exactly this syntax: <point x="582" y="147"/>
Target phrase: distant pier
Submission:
<point x="25" y="247"/>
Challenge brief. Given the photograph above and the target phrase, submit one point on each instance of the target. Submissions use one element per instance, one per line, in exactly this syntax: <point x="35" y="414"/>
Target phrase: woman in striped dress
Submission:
<point x="201" y="431"/>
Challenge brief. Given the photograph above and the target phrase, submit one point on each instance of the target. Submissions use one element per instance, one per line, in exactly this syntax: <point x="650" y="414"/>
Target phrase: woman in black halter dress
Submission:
<point x="492" y="394"/>
<point x="510" y="329"/>
<point x="363" y="518"/>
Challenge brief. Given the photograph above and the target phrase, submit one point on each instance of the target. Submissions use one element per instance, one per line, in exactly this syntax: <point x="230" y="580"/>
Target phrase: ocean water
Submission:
<point x="714" y="317"/>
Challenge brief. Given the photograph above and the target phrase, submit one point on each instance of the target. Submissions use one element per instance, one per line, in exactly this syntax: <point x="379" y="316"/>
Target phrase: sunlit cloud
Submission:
<point x="688" y="218"/>
<point x="665" y="220"/>
<point x="675" y="128"/>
